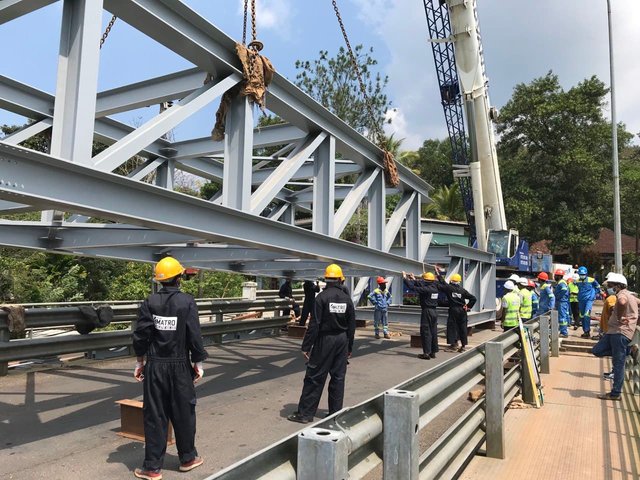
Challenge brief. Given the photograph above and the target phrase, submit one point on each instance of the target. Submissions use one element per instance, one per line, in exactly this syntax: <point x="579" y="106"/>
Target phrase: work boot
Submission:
<point x="607" y="375"/>
<point x="575" y="327"/>
<point x="424" y="356"/>
<point x="433" y="355"/>
<point x="585" y="335"/>
<point x="564" y="335"/>
<point x="188" y="466"/>
<point x="296" y="417"/>
<point x="386" y="335"/>
<point x="608" y="396"/>
<point x="377" y="336"/>
<point x="148" y="474"/>
<point x="451" y="348"/>
<point x="462" y="349"/>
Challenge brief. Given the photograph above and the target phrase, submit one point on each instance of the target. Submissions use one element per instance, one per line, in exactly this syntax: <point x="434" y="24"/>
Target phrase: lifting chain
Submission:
<point x="356" y="68"/>
<point x="255" y="45"/>
<point x="107" y="30"/>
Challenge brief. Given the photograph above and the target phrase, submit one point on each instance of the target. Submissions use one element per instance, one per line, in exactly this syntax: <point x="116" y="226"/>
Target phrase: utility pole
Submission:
<point x="616" y="171"/>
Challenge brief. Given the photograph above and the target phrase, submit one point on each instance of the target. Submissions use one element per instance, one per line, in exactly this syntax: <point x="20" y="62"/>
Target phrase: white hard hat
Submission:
<point x="575" y="276"/>
<point x="515" y="278"/>
<point x="613" y="277"/>
<point x="523" y="281"/>
<point x="509" y="285"/>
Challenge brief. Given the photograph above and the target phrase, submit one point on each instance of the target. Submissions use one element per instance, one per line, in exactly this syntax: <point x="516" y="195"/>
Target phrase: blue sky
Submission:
<point x="523" y="39"/>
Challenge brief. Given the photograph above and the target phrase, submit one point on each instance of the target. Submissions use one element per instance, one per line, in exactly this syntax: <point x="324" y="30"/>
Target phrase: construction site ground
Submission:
<point x="575" y="435"/>
<point x="61" y="423"/>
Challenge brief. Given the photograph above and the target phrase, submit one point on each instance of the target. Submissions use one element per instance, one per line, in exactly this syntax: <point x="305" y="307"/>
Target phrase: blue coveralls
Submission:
<point x="587" y="289"/>
<point x="381" y="299"/>
<point x="562" y="305"/>
<point x="547" y="298"/>
<point x="535" y="302"/>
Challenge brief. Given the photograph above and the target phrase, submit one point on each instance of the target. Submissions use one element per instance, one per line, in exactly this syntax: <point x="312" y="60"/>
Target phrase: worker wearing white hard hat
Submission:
<point x="511" y="301"/>
<point x="620" y="330"/>
<point x="526" y="300"/>
<point x="515" y="279"/>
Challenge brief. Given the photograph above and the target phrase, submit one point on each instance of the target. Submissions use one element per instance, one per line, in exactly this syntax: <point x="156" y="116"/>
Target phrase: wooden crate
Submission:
<point x="131" y="424"/>
<point x="296" y="331"/>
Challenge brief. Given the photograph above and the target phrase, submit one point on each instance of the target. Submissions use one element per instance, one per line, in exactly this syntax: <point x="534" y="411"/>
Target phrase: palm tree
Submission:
<point x="446" y="204"/>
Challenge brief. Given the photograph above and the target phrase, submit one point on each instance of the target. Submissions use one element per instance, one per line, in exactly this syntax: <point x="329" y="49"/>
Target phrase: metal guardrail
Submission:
<point x="632" y="367"/>
<point x="385" y="429"/>
<point x="20" y="349"/>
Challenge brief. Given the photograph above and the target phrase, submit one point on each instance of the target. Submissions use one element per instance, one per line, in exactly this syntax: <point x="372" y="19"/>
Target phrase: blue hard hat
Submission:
<point x="582" y="271"/>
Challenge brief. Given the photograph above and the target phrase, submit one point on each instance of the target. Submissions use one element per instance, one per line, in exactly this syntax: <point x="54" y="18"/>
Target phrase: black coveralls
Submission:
<point x="286" y="292"/>
<point x="457" y="320"/>
<point x="329" y="338"/>
<point x="168" y="330"/>
<point x="310" y="289"/>
<point x="428" y="292"/>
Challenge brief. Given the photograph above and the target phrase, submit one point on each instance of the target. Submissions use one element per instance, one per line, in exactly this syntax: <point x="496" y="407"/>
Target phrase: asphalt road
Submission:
<point x="61" y="423"/>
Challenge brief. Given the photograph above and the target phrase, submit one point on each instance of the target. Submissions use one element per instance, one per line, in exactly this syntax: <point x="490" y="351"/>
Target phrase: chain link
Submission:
<point x="354" y="62"/>
<point x="107" y="30"/>
<point x="244" y="23"/>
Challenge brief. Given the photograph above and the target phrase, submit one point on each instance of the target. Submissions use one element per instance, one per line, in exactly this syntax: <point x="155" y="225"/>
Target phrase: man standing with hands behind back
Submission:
<point x="168" y="333"/>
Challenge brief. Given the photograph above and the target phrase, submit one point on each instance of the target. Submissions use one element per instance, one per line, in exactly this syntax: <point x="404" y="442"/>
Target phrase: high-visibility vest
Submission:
<point x="526" y="306"/>
<point x="511" y="306"/>
<point x="573" y="292"/>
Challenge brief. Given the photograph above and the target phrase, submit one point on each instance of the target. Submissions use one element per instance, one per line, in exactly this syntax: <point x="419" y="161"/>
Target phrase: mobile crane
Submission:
<point x="458" y="56"/>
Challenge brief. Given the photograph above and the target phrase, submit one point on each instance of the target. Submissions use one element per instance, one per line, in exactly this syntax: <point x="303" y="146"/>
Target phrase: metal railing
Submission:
<point x="632" y="367"/>
<point x="385" y="429"/>
<point x="217" y="310"/>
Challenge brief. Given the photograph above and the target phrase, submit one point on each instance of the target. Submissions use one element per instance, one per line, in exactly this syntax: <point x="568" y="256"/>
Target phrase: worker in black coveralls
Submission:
<point x="286" y="291"/>
<point x="167" y="332"/>
<point x="327" y="346"/>
<point x="428" y="290"/>
<point x="460" y="302"/>
<point x="310" y="289"/>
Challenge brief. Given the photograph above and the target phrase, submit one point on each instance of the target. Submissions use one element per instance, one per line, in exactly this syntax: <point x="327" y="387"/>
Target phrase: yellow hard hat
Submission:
<point x="333" y="271"/>
<point x="456" y="277"/>
<point x="428" y="276"/>
<point x="167" y="268"/>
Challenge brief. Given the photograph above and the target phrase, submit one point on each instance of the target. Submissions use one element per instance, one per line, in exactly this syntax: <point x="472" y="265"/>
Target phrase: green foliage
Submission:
<point x="433" y="163"/>
<point x="555" y="161"/>
<point x="214" y="285"/>
<point x="133" y="283"/>
<point x="333" y="82"/>
<point x="446" y="204"/>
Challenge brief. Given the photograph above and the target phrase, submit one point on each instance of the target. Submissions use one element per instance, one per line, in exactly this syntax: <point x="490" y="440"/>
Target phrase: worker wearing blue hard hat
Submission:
<point x="588" y="287"/>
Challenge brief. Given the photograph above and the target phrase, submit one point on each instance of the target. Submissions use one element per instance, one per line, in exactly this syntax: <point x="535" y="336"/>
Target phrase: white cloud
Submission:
<point x="273" y="15"/>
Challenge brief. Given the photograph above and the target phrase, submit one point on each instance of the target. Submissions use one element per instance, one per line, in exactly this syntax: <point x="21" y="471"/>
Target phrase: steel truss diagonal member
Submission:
<point x="42" y="180"/>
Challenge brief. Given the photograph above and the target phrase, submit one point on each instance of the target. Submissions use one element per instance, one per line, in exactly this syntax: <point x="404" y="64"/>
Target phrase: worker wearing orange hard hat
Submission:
<point x="547" y="297"/>
<point x="381" y="299"/>
<point x="168" y="334"/>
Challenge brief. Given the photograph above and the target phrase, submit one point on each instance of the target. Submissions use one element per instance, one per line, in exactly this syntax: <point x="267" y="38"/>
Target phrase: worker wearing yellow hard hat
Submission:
<point x="327" y="345"/>
<point x="460" y="301"/>
<point x="167" y="335"/>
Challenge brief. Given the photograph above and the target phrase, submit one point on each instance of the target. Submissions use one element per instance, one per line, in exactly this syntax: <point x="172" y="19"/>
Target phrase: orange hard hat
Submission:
<point x="380" y="280"/>
<point x="543" y="276"/>
<point x="559" y="271"/>
<point x="531" y="284"/>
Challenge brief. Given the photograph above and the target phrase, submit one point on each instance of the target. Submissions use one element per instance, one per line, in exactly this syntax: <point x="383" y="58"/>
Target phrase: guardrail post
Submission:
<point x="5" y="336"/>
<point x="249" y="290"/>
<point x="322" y="455"/>
<point x="527" y="392"/>
<point x="555" y="345"/>
<point x="494" y="399"/>
<point x="545" y="366"/>
<point x="401" y="450"/>
<point x="219" y="319"/>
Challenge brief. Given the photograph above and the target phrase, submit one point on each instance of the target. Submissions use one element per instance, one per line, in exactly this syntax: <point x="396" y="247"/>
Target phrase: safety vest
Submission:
<point x="511" y="306"/>
<point x="573" y="292"/>
<point x="526" y="306"/>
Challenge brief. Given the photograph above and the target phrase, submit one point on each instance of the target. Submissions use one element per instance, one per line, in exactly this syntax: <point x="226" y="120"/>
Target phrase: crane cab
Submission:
<point x="503" y="243"/>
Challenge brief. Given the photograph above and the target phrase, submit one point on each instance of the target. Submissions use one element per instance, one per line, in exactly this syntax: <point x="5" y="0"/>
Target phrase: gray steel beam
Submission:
<point x="268" y="190"/>
<point x="12" y="207"/>
<point x="397" y="218"/>
<point x="323" y="187"/>
<point x="353" y="199"/>
<point x="471" y="253"/>
<point x="39" y="179"/>
<point x="149" y="92"/>
<point x="306" y="171"/>
<point x="146" y="168"/>
<point x="30" y="102"/>
<point x="28" y="131"/>
<point x="377" y="214"/>
<point x="12" y="9"/>
<point x="183" y="31"/>
<point x="77" y="82"/>
<point x="262" y="137"/>
<point x="238" y="155"/>
<point x="136" y="141"/>
<point x="165" y="174"/>
<point x="413" y="233"/>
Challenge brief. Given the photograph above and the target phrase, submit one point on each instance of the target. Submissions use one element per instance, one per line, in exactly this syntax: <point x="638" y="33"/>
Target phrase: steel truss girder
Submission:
<point x="42" y="180"/>
<point x="12" y="9"/>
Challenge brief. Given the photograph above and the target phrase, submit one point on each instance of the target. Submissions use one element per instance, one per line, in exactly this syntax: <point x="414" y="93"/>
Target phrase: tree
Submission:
<point x="555" y="159"/>
<point x="446" y="204"/>
<point x="333" y="82"/>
